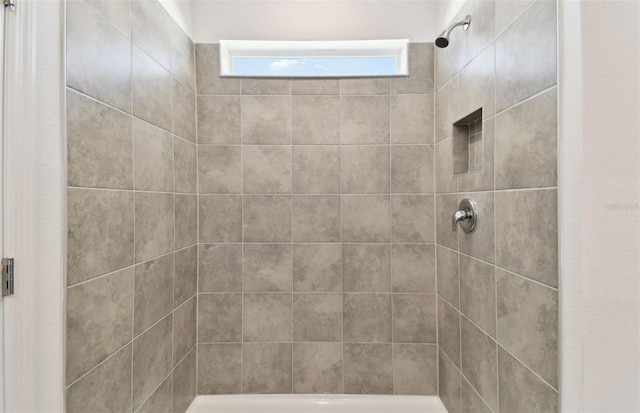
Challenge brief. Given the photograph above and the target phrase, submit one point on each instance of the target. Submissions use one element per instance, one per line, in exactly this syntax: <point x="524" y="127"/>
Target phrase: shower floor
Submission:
<point x="316" y="403"/>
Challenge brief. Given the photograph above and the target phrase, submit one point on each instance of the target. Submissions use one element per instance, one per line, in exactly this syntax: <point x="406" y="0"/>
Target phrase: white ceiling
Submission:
<point x="208" y="21"/>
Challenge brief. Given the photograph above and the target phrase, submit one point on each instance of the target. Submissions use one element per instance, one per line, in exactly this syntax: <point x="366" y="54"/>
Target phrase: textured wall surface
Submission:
<point x="132" y="209"/>
<point x="316" y="236"/>
<point x="498" y="286"/>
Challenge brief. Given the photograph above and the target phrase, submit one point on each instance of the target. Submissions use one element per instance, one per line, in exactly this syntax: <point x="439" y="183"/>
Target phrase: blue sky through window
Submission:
<point x="315" y="66"/>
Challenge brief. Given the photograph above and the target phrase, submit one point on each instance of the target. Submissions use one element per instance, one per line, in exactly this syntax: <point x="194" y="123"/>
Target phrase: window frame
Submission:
<point x="230" y="49"/>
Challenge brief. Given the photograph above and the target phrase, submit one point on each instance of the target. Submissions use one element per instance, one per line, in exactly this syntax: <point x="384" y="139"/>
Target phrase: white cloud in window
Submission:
<point x="283" y="65"/>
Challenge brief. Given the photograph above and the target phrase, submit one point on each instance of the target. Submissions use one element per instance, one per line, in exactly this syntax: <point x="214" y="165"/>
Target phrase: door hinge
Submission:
<point x="7" y="277"/>
<point x="11" y="4"/>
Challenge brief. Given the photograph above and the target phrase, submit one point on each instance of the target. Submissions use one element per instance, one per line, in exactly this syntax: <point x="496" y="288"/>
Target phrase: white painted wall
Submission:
<point x="34" y="208"/>
<point x="599" y="206"/>
<point x="446" y="10"/>
<point x="182" y="13"/>
<point x="314" y="20"/>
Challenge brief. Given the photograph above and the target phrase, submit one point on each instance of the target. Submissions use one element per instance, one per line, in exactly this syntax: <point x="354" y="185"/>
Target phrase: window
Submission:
<point x="357" y="58"/>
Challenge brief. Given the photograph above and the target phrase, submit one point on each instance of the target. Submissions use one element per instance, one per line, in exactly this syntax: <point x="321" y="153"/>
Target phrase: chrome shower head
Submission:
<point x="442" y="40"/>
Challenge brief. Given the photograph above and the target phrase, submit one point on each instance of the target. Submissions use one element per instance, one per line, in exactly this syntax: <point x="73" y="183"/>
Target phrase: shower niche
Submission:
<point x="467" y="144"/>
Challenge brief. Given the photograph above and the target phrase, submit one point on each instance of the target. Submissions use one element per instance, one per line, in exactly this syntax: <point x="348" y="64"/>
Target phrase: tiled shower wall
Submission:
<point x="498" y="286"/>
<point x="132" y="209"/>
<point x="316" y="232"/>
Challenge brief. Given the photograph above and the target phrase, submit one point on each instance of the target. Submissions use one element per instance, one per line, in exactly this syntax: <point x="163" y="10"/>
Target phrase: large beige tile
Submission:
<point x="98" y="57"/>
<point x="267" y="218"/>
<point x="420" y="79"/>
<point x="151" y="360"/>
<point x="521" y="390"/>
<point x="219" y="169"/>
<point x="446" y="205"/>
<point x="155" y="217"/>
<point x="184" y="383"/>
<point x="267" y="317"/>
<point x="186" y="166"/>
<point x="476" y="84"/>
<point x="316" y="218"/>
<point x="364" y="119"/>
<point x="152" y="90"/>
<point x="413" y="268"/>
<point x="160" y="400"/>
<point x="526" y="144"/>
<point x="446" y="109"/>
<point x="508" y="10"/>
<point x="153" y="294"/>
<point x="99" y="149"/>
<point x="315" y="86"/>
<point x="220" y="267"/>
<point x="447" y="60"/>
<point x="266" y="169"/>
<point x="317" y="368"/>
<point x="483" y="32"/>
<point x="364" y="169"/>
<point x="470" y="400"/>
<point x="316" y="169"/>
<point x="367" y="317"/>
<point x="99" y="233"/>
<point x="317" y="317"/>
<point x="368" y="369"/>
<point x="219" y="119"/>
<point x="366" y="267"/>
<point x="414" y="318"/>
<point x="183" y="57"/>
<point x="412" y="218"/>
<point x="184" y="329"/>
<point x="267" y="267"/>
<point x="219" y="317"/>
<point x="480" y="243"/>
<point x="412" y="169"/>
<point x="364" y="86"/>
<point x="479" y="362"/>
<point x="449" y="331"/>
<point x="533" y="38"/>
<point x="262" y="86"/>
<point x="315" y="119"/>
<point x="365" y="218"/>
<point x="415" y="369"/>
<point x="317" y="267"/>
<point x="106" y="388"/>
<point x="528" y="323"/>
<point x="186" y="220"/>
<point x="449" y="382"/>
<point x="151" y="30"/>
<point x="478" y="293"/>
<point x="185" y="281"/>
<point x="266" y="120"/>
<point x="99" y="319"/>
<point x="412" y="119"/>
<point x="448" y="275"/>
<point x="266" y="368"/>
<point x="527" y="233"/>
<point x="116" y="12"/>
<point x="153" y="157"/>
<point x="445" y="181"/>
<point x="220" y="218"/>
<point x="184" y="112"/>
<point x="219" y="368"/>
<point x="208" y="72"/>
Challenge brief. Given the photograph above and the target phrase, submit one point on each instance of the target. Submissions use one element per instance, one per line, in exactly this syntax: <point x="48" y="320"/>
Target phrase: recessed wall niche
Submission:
<point x="467" y="144"/>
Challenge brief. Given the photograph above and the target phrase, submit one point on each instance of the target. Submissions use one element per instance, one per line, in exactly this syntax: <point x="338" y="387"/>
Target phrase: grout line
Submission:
<point x="477" y="394"/>
<point x="341" y="229"/>
<point x="133" y="185"/>
<point x="291" y="224"/>
<point x="242" y="275"/>
<point x="501" y="268"/>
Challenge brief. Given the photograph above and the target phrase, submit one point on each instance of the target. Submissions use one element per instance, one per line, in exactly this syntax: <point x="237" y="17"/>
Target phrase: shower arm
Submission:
<point x="466" y="22"/>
